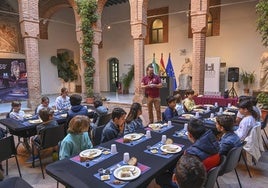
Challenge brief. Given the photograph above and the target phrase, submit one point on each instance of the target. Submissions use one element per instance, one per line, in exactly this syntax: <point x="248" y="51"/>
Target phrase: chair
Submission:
<point x="96" y="135"/>
<point x="14" y="182"/>
<point x="163" y="117"/>
<point x="50" y="137"/>
<point x="103" y="120"/>
<point x="232" y="159"/>
<point x="213" y="173"/>
<point x="8" y="150"/>
<point x="263" y="126"/>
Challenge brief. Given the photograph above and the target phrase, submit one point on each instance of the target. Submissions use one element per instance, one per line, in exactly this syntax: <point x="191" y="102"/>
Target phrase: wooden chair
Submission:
<point x="8" y="150"/>
<point x="50" y="137"/>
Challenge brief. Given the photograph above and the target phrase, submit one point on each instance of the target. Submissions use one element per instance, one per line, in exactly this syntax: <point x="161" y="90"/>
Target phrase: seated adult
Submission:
<point x="63" y="101"/>
<point x="205" y="145"/>
<point x="115" y="127"/>
<point x="170" y="111"/>
<point x="189" y="101"/>
<point x="229" y="140"/>
<point x="189" y="172"/>
<point x="77" y="108"/>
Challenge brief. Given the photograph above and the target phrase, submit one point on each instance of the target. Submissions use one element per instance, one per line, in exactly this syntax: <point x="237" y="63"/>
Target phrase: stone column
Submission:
<point x="138" y="10"/>
<point x="29" y="23"/>
<point x="199" y="11"/>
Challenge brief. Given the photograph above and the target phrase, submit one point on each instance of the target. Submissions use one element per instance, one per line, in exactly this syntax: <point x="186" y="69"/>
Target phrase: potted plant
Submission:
<point x="67" y="69"/>
<point x="248" y="78"/>
<point x="87" y="11"/>
<point x="126" y="80"/>
<point x="262" y="99"/>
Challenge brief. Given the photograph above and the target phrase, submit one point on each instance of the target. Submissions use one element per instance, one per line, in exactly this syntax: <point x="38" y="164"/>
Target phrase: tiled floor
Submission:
<point x="34" y="176"/>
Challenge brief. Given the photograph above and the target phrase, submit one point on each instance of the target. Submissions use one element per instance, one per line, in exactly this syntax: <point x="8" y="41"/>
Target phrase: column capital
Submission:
<point x="29" y="28"/>
<point x="138" y="30"/>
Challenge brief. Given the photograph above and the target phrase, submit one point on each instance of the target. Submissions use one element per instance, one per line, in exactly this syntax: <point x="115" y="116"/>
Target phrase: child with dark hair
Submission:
<point x="239" y="116"/>
<point x="189" y="172"/>
<point x="115" y="127"/>
<point x="77" y="108"/>
<point x="46" y="115"/>
<point x="254" y="102"/>
<point x="77" y="138"/>
<point x="100" y="110"/>
<point x="189" y="101"/>
<point x="229" y="140"/>
<point x="205" y="145"/>
<point x="133" y="120"/>
<point x="44" y="104"/>
<point x="16" y="112"/>
<point x="179" y="105"/>
<point x="170" y="111"/>
<point x="249" y="120"/>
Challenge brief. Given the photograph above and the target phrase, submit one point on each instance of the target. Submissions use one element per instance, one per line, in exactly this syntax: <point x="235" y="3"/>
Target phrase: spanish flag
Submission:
<point x="162" y="71"/>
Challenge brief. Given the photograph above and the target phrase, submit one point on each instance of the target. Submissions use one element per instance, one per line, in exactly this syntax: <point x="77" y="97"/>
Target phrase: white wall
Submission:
<point x="60" y="36"/>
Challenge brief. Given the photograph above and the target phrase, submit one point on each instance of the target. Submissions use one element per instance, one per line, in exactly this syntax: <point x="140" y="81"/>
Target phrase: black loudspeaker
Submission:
<point x="233" y="74"/>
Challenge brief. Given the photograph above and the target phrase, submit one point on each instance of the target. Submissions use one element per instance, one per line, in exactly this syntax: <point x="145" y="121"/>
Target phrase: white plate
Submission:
<point x="208" y="105"/>
<point x="35" y="121"/>
<point x="63" y="115"/>
<point x="90" y="153"/>
<point x="229" y="113"/>
<point x="187" y="116"/>
<point x="132" y="172"/>
<point x="198" y="110"/>
<point x="170" y="148"/>
<point x="28" y="115"/>
<point x="233" y="107"/>
<point x="133" y="136"/>
<point x="90" y="110"/>
<point x="155" y="126"/>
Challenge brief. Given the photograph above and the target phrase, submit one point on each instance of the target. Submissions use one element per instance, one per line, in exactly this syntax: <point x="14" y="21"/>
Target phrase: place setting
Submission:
<point x="159" y="127"/>
<point x="183" y="133"/>
<point x="90" y="157"/>
<point x="119" y="174"/>
<point x="133" y="139"/>
<point x="165" y="148"/>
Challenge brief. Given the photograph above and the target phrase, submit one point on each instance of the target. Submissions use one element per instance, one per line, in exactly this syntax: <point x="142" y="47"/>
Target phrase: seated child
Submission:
<point x="205" y="145"/>
<point x="115" y="127"/>
<point x="100" y="110"/>
<point x="189" y="172"/>
<point x="248" y="121"/>
<point x="46" y="115"/>
<point x="189" y="101"/>
<point x="229" y="140"/>
<point x="77" y="138"/>
<point x="170" y="111"/>
<point x="16" y="112"/>
<point x="133" y="120"/>
<point x="179" y="105"/>
<point x="44" y="104"/>
<point x="77" y="108"/>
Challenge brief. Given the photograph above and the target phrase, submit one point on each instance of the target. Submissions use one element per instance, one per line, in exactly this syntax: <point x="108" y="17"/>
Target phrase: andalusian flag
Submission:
<point x="170" y="73"/>
<point x="155" y="66"/>
<point x="162" y="70"/>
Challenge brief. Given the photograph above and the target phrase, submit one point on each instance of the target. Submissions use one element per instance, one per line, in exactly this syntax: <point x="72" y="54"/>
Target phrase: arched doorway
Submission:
<point x="113" y="64"/>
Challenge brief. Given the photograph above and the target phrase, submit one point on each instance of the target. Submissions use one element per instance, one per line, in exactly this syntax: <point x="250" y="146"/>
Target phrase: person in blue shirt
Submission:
<point x="77" y="138"/>
<point x="115" y="127"/>
<point x="229" y="140"/>
<point x="170" y="111"/>
<point x="133" y="120"/>
<point x="179" y="106"/>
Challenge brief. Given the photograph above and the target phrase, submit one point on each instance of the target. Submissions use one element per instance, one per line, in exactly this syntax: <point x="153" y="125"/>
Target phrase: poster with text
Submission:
<point x="212" y="75"/>
<point x="13" y="80"/>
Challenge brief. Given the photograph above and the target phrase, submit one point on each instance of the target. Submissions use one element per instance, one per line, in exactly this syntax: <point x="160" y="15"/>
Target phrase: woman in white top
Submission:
<point x="249" y="120"/>
<point x="63" y="101"/>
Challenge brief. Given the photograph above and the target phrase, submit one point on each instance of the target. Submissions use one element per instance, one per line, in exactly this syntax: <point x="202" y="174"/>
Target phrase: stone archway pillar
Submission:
<point x="29" y="24"/>
<point x="138" y="9"/>
<point x="199" y="11"/>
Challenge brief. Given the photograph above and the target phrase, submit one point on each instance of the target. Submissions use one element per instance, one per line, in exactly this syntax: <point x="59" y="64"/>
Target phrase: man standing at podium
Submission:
<point x="152" y="84"/>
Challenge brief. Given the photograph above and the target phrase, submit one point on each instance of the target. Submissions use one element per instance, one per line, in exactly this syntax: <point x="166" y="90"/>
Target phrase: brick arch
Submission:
<point x="43" y="25"/>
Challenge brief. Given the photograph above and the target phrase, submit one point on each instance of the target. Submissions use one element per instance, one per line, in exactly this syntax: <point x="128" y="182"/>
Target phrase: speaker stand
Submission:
<point x="232" y="93"/>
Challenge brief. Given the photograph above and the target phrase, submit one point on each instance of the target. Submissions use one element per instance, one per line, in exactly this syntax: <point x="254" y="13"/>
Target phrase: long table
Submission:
<point x="72" y="174"/>
<point x="211" y="100"/>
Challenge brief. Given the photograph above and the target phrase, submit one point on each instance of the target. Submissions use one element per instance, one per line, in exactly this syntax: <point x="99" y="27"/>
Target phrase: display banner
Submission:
<point x="13" y="80"/>
<point x="212" y="75"/>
